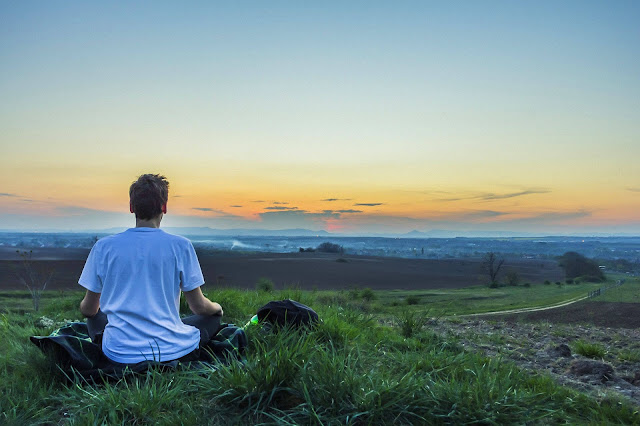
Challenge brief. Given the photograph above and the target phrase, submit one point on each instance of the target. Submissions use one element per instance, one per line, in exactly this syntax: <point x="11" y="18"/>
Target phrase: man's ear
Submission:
<point x="164" y="208"/>
<point x="130" y="207"/>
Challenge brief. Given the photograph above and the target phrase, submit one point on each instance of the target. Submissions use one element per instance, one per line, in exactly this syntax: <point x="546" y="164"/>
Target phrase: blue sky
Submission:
<point x="401" y="107"/>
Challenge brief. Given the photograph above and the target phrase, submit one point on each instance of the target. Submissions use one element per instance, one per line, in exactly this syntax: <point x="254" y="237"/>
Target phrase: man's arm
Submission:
<point x="90" y="304"/>
<point x="200" y="305"/>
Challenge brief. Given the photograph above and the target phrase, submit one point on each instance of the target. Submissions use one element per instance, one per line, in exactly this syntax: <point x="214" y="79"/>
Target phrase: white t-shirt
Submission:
<point x="139" y="274"/>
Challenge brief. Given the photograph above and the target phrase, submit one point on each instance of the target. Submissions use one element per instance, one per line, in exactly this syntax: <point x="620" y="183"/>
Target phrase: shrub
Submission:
<point x="569" y="281"/>
<point x="411" y="322"/>
<point x="413" y="300"/>
<point x="265" y="284"/>
<point x="512" y="278"/>
<point x="547" y="282"/>
<point x="590" y="350"/>
<point x="368" y="295"/>
<point x="330" y="248"/>
<point x="527" y="285"/>
<point x="341" y="260"/>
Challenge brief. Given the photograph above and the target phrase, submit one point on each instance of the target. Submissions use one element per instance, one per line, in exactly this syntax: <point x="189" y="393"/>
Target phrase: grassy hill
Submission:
<point x="375" y="359"/>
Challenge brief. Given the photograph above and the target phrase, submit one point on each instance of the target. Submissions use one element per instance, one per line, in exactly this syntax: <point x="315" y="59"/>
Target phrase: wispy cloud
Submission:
<point x="633" y="189"/>
<point x="235" y="206"/>
<point x="558" y="216"/>
<point x="5" y="194"/>
<point x="176" y="196"/>
<point x="217" y="212"/>
<point x="491" y="196"/>
<point x="280" y="208"/>
<point x="341" y="211"/>
<point x="368" y="204"/>
<point x="337" y="199"/>
<point x="280" y="202"/>
<point x="258" y="201"/>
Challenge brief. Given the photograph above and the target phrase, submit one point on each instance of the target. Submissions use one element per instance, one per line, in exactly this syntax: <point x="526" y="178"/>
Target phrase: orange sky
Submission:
<point x="492" y="117"/>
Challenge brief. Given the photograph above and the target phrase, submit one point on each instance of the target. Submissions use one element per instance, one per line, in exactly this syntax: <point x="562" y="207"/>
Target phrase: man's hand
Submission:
<point x="200" y="305"/>
<point x="90" y="304"/>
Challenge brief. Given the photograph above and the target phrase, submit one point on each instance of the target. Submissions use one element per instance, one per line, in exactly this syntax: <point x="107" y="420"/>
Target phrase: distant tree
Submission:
<point x="491" y="265"/>
<point x="512" y="278"/>
<point x="330" y="248"/>
<point x="34" y="279"/>
<point x="576" y="265"/>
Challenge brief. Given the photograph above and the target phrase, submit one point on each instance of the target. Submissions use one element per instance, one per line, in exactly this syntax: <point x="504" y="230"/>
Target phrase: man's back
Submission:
<point x="140" y="273"/>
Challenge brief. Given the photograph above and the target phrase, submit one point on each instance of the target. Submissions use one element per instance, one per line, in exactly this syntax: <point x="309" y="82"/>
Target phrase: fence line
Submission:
<point x="601" y="290"/>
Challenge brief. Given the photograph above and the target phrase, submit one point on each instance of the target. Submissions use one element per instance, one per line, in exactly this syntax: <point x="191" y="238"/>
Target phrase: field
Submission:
<point x="379" y="357"/>
<point x="308" y="271"/>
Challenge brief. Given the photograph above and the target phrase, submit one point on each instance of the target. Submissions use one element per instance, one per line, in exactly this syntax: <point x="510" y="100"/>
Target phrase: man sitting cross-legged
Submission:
<point x="134" y="280"/>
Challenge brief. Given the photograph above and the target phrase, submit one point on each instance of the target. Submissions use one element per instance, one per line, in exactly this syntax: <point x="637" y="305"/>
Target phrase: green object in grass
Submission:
<point x="252" y="321"/>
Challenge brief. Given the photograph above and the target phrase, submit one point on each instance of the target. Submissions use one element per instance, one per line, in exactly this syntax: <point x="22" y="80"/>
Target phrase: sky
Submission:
<point x="352" y="117"/>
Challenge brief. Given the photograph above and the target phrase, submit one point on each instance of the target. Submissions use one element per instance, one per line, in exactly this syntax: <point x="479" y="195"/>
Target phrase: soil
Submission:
<point x="305" y="270"/>
<point x="545" y="342"/>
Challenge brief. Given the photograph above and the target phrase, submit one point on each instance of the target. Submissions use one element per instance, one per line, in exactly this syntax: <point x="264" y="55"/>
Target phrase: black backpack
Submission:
<point x="287" y="312"/>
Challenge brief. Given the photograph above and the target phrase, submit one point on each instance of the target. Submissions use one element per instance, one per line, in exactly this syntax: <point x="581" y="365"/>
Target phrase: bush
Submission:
<point x="330" y="248"/>
<point x="368" y="295"/>
<point x="569" y="281"/>
<point x="411" y="322"/>
<point x="413" y="300"/>
<point x="527" y="285"/>
<point x="265" y="284"/>
<point x="547" y="282"/>
<point x="512" y="278"/>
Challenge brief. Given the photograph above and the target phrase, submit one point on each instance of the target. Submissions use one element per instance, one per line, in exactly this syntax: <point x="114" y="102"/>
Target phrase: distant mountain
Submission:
<point x="444" y="233"/>
<point x="297" y="232"/>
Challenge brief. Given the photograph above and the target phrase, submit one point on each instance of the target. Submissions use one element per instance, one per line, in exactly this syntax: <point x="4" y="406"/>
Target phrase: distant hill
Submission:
<point x="296" y="232"/>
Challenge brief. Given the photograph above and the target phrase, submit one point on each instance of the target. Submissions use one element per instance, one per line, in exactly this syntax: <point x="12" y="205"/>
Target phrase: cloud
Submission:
<point x="297" y="219"/>
<point x="337" y="199"/>
<point x="368" y="204"/>
<point x="556" y="216"/>
<point x="349" y="211"/>
<point x="218" y="213"/>
<point x="628" y="189"/>
<point x="235" y="206"/>
<point x="490" y="196"/>
<point x="280" y="208"/>
<point x="280" y="202"/>
<point x="258" y="201"/>
<point x="176" y="196"/>
<point x="5" y="194"/>
<point x="512" y="194"/>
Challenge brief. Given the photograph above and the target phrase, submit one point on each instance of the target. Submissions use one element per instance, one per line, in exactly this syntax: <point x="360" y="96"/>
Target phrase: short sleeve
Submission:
<point x="190" y="275"/>
<point x="90" y="277"/>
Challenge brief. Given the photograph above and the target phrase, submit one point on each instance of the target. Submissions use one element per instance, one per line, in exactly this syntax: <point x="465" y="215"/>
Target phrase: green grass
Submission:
<point x="629" y="291"/>
<point x="590" y="350"/>
<point x="350" y="370"/>
<point x="478" y="299"/>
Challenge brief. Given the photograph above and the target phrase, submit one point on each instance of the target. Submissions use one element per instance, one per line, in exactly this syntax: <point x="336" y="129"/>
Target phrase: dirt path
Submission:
<point x="523" y="310"/>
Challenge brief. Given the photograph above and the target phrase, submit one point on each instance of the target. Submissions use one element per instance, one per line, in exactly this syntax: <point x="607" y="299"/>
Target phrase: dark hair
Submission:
<point x="148" y="194"/>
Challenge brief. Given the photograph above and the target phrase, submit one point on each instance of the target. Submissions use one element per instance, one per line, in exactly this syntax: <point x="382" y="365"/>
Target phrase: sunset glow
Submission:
<point x="351" y="118"/>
